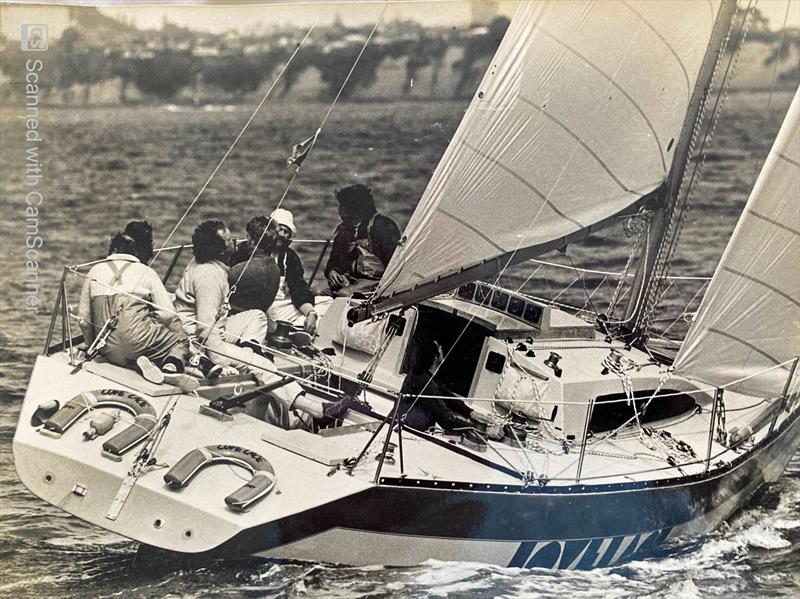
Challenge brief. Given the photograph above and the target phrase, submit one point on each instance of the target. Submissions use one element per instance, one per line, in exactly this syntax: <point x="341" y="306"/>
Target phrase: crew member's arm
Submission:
<point x="165" y="309"/>
<point x="209" y="297"/>
<point x="298" y="288"/>
<point x="340" y="258"/>
<point x="301" y="295"/>
<point x="385" y="237"/>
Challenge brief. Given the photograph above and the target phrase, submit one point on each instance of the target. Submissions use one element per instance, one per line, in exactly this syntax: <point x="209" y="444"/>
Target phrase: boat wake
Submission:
<point x="755" y="554"/>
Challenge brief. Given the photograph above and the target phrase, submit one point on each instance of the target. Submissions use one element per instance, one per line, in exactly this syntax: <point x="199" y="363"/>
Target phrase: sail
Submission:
<point x="575" y="121"/>
<point x="749" y="321"/>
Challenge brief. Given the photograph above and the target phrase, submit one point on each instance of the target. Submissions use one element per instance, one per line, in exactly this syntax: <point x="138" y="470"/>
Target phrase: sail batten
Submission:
<point x="574" y="122"/>
<point x="747" y="329"/>
<point x="772" y="221"/>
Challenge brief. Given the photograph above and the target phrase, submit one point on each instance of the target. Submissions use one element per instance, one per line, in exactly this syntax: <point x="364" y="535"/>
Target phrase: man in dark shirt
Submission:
<point x="295" y="302"/>
<point x="257" y="285"/>
<point x="363" y="243"/>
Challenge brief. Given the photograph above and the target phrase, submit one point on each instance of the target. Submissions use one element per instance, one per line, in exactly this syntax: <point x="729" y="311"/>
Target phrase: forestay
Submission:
<point x="749" y="321"/>
<point x="575" y="120"/>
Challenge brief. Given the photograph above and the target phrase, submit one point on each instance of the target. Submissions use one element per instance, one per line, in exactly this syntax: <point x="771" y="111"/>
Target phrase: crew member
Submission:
<point x="363" y="243"/>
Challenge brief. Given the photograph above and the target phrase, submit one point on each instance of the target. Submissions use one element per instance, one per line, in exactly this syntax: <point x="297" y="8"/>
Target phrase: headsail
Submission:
<point x="749" y="321"/>
<point x="575" y="121"/>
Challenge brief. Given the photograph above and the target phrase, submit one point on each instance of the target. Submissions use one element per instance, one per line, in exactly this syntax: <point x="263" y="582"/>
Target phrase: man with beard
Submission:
<point x="202" y="303"/>
<point x="294" y="301"/>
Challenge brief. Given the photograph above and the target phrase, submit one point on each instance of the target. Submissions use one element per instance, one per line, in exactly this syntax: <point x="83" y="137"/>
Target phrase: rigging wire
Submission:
<point x="679" y="213"/>
<point x="763" y="128"/>
<point x="112" y="321"/>
<point x="232" y="289"/>
<point x="235" y="141"/>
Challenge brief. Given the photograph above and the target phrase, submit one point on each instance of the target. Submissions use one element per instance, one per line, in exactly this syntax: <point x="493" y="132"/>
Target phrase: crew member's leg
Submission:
<point x="291" y="394"/>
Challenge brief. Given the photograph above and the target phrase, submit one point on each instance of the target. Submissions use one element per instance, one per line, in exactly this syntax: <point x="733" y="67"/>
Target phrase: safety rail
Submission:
<point x="62" y="306"/>
<point x="779" y="405"/>
<point x="62" y="312"/>
<point x="588" y="293"/>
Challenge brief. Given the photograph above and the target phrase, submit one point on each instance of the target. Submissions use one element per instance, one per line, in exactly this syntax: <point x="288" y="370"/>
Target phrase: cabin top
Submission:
<point x="506" y="313"/>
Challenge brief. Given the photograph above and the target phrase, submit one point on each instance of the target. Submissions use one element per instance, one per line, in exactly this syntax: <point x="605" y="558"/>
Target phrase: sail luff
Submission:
<point x="652" y="253"/>
<point x="646" y="279"/>
<point x="748" y="325"/>
<point x="574" y="122"/>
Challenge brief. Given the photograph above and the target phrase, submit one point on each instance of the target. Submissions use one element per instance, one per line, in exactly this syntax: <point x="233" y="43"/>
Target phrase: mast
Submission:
<point x="654" y="253"/>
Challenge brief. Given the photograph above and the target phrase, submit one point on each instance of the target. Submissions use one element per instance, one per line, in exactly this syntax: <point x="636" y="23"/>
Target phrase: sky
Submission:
<point x="218" y="17"/>
<point x="442" y="12"/>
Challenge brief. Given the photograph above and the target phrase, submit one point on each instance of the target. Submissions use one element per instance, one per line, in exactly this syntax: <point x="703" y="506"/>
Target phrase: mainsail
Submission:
<point x="748" y="326"/>
<point x="575" y="122"/>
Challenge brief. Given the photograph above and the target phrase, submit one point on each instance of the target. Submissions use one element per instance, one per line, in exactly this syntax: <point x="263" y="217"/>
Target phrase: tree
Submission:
<point x="163" y="74"/>
<point x="77" y="63"/>
<point x="477" y="47"/>
<point x="233" y="73"/>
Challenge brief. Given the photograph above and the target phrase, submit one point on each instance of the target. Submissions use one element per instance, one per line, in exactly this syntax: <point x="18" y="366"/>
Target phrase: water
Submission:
<point x="105" y="166"/>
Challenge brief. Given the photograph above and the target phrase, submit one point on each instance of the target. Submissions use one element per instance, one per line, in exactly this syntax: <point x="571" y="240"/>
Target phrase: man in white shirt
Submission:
<point x="201" y="300"/>
<point x="128" y="300"/>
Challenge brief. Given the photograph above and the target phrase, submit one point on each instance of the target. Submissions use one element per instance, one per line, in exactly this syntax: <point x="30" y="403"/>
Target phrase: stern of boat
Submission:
<point x="77" y="476"/>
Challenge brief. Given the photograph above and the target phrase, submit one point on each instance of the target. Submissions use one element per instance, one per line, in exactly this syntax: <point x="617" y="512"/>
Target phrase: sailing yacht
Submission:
<point x="597" y="450"/>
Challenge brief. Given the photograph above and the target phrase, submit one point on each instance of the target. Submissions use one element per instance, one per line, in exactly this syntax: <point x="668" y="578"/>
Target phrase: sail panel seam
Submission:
<point x="583" y="144"/>
<point x="471" y="228"/>
<point x="763" y="283"/>
<point x="668" y="45"/>
<point x="746" y="343"/>
<point x="522" y="180"/>
<point x="787" y="159"/>
<point x="616" y="86"/>
<point x="772" y="221"/>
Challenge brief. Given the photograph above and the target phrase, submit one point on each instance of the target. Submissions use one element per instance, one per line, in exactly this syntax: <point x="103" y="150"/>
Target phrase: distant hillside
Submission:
<point x="98" y="29"/>
<point x="97" y="59"/>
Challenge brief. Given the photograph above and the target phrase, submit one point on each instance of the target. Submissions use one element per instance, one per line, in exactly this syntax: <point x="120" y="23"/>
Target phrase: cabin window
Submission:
<point x="611" y="411"/>
<point x="459" y="368"/>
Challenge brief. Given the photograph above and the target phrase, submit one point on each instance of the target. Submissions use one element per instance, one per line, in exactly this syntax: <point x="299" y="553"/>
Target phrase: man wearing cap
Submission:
<point x="294" y="301"/>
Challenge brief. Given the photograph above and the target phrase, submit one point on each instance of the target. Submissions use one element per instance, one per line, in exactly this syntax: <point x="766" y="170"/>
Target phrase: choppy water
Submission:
<point x="105" y="166"/>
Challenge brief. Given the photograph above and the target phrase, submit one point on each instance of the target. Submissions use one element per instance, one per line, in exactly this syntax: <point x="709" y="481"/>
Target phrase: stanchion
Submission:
<point x="589" y="411"/>
<point x="784" y="396"/>
<point x="716" y="401"/>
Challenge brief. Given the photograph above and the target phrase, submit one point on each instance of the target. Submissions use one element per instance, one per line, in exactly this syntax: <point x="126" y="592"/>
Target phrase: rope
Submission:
<point x="644" y="228"/>
<point x="422" y="395"/>
<point x="112" y="321"/>
<point x="232" y="289"/>
<point x="756" y="168"/>
<point x="235" y="141"/>
<point x="721" y="430"/>
<point x="611" y="274"/>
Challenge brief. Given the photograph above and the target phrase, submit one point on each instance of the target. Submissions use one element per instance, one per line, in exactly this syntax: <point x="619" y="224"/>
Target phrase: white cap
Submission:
<point x="283" y="217"/>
